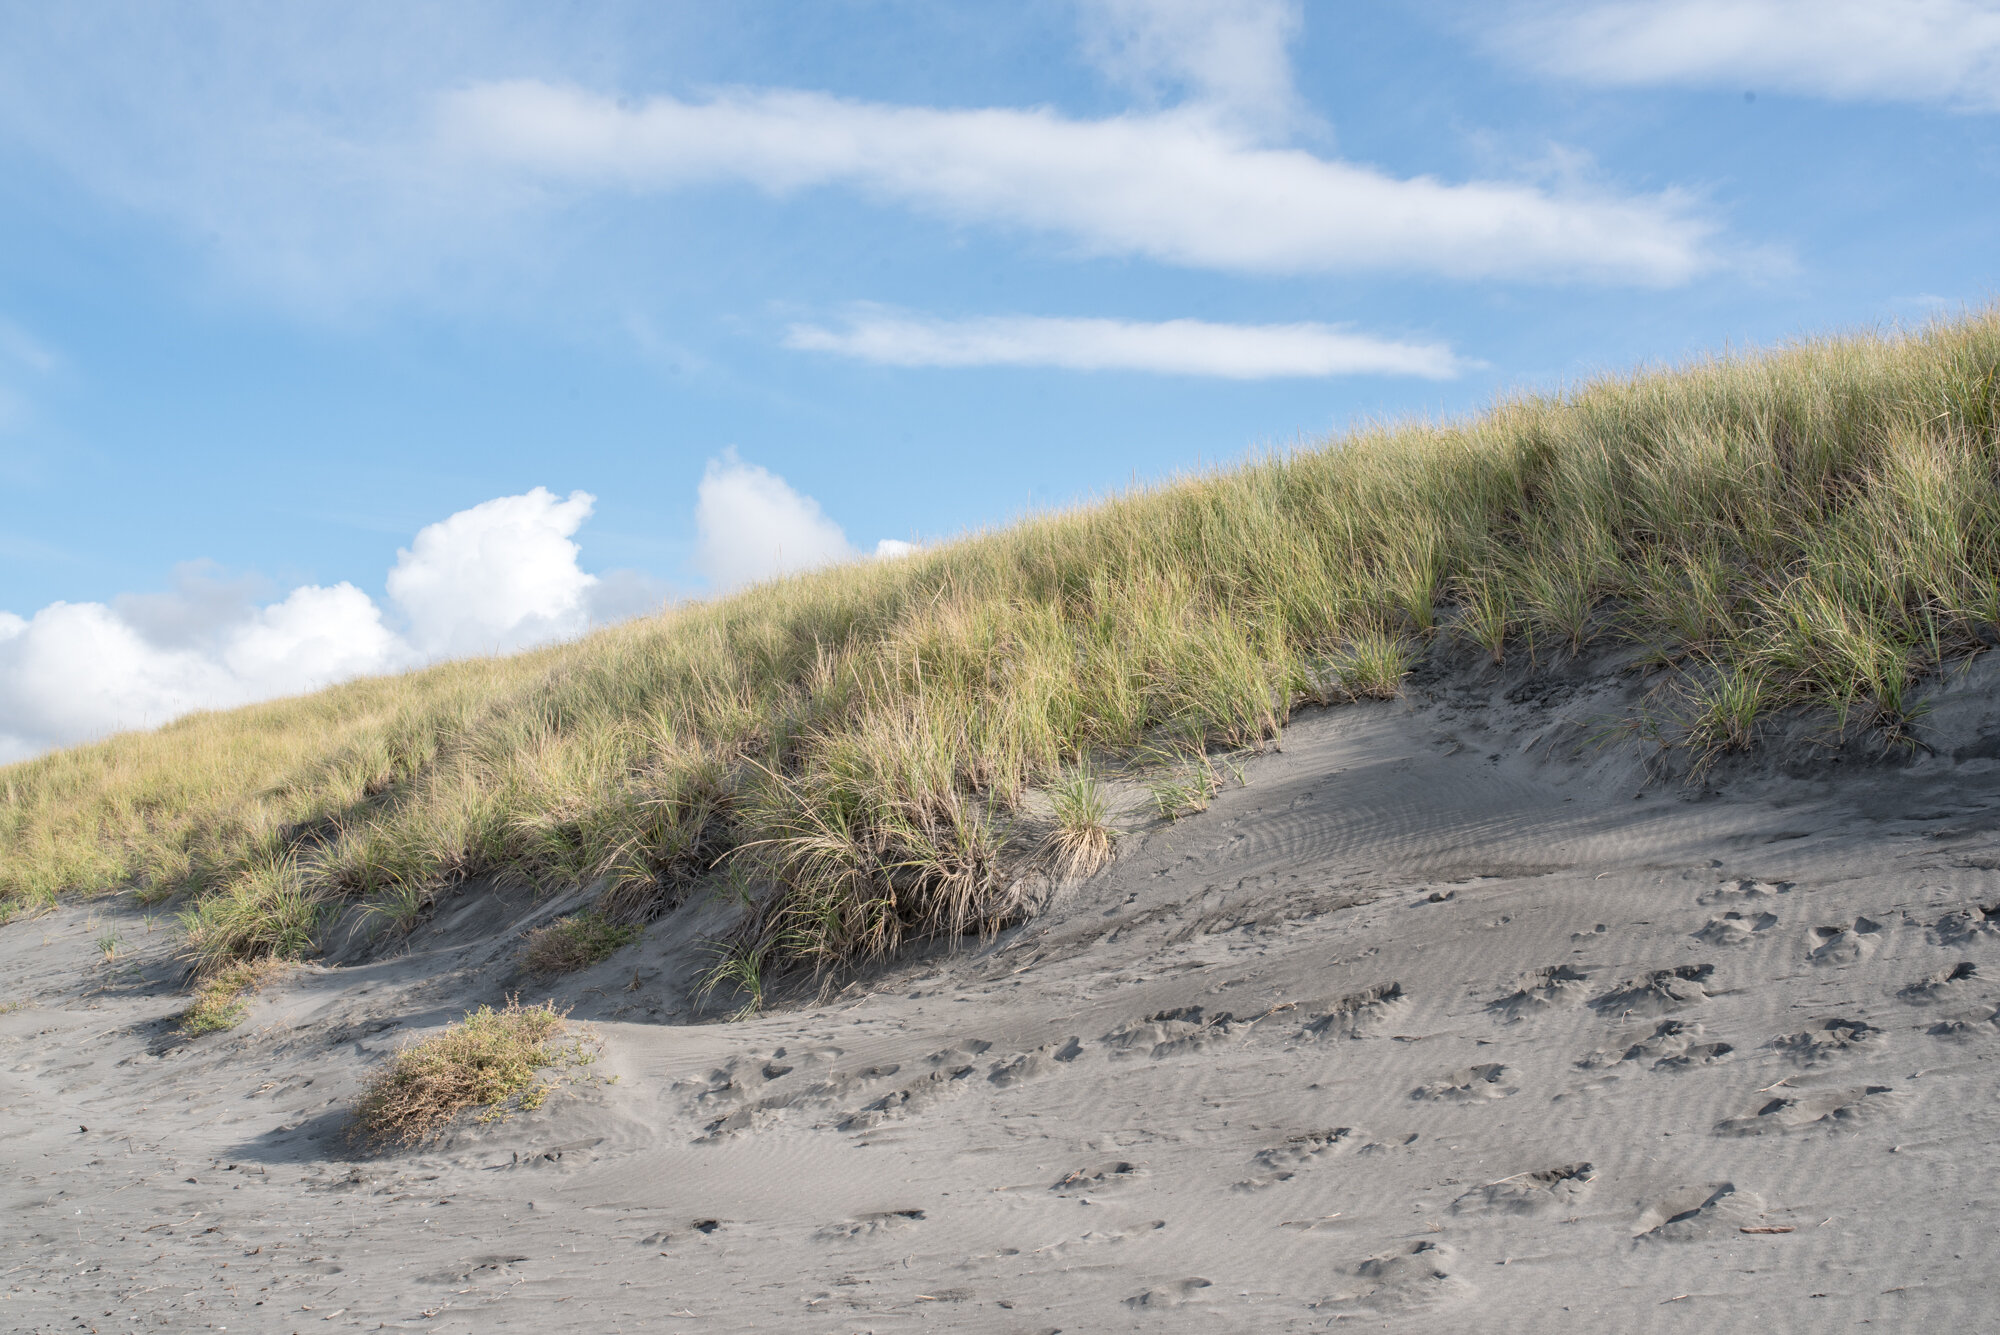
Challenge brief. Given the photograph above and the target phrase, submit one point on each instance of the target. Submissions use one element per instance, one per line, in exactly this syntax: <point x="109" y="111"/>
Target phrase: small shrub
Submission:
<point x="487" y="1061"/>
<point x="575" y="942"/>
<point x="218" y="1003"/>
<point x="1083" y="838"/>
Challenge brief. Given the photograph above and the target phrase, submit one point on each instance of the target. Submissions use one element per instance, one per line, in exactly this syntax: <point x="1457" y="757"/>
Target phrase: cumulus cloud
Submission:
<point x="1890" y="50"/>
<point x="1178" y="186"/>
<point x="750" y="525"/>
<point x="1171" y="347"/>
<point x="499" y="576"/>
<point x="80" y="670"/>
<point x="496" y="577"/>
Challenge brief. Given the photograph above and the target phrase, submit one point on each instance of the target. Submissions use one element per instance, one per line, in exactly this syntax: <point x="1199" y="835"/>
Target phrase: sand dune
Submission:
<point x="1446" y="1019"/>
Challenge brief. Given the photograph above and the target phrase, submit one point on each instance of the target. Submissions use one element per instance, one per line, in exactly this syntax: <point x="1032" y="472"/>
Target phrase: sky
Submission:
<point x="336" y="338"/>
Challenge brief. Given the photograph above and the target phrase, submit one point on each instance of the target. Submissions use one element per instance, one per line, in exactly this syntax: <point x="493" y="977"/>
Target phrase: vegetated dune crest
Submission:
<point x="1552" y="874"/>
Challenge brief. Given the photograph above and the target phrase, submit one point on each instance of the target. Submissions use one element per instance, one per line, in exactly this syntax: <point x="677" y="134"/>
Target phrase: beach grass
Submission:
<point x="1813" y="527"/>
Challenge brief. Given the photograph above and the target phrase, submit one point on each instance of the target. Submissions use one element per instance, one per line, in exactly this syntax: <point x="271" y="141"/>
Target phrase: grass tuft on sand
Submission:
<point x="1812" y="528"/>
<point x="488" y="1061"/>
<point x="218" y="998"/>
<point x="575" y="942"/>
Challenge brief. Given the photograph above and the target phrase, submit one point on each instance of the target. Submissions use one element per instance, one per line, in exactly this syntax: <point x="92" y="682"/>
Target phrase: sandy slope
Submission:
<point x="1433" y="1025"/>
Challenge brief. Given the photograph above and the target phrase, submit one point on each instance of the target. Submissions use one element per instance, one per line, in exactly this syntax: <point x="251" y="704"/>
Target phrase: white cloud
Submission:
<point x="1181" y="186"/>
<point x="499" y="576"/>
<point x="1895" y="50"/>
<point x="80" y="670"/>
<point x="1172" y="347"/>
<point x="1229" y="55"/>
<point x="750" y="525"/>
<point x="331" y="155"/>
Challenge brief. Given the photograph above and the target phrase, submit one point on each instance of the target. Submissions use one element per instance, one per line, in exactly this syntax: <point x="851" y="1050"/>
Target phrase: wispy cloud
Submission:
<point x="1168" y="347"/>
<point x="1179" y="187"/>
<point x="328" y="159"/>
<point x="1231" y="56"/>
<point x="1940" y="51"/>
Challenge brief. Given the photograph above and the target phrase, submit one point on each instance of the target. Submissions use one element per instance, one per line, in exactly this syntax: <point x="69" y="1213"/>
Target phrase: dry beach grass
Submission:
<point x="1816" y="526"/>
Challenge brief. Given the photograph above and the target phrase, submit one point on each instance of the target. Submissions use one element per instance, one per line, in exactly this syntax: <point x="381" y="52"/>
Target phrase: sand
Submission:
<point x="1445" y="1019"/>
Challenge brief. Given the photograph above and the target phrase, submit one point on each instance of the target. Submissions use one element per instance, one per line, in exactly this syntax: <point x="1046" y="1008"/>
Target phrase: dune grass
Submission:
<point x="1813" y="527"/>
<point x="487" y="1061"/>
<point x="218" y="998"/>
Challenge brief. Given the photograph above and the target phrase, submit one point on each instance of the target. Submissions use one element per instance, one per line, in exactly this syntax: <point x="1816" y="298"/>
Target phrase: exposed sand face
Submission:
<point x="1425" y="1027"/>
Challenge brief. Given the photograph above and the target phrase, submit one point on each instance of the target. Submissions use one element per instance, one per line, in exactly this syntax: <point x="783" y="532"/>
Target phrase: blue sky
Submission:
<point x="289" y="292"/>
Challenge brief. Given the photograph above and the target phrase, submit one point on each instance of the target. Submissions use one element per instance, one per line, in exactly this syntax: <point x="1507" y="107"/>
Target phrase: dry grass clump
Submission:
<point x="218" y="999"/>
<point x="1813" y="528"/>
<point x="488" y="1061"/>
<point x="575" y="942"/>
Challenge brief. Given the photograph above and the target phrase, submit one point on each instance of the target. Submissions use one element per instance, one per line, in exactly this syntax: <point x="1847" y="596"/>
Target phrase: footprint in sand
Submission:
<point x="1540" y="990"/>
<point x="1742" y="892"/>
<point x="1536" y="1193"/>
<point x="1833" y="1039"/>
<point x="1736" y="929"/>
<point x="1674" y="1045"/>
<point x="1658" y="992"/>
<point x="1171" y="1033"/>
<point x="1171" y="1294"/>
<point x="1095" y="1179"/>
<point x="1967" y="925"/>
<point x="1281" y="1163"/>
<point x="1405" y="1278"/>
<point x="1834" y="1109"/>
<point x="1694" y="1214"/>
<point x="1032" y="1065"/>
<point x="868" y="1225"/>
<point x="949" y="1069"/>
<point x="1846" y="943"/>
<point x="1358" y="1014"/>
<point x="1980" y="1023"/>
<point x="1469" y="1084"/>
<point x="1943" y="986"/>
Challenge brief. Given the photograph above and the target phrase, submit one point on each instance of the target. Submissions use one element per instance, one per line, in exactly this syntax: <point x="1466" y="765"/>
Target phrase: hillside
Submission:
<point x="1810" y="528"/>
<point x="1532" y="873"/>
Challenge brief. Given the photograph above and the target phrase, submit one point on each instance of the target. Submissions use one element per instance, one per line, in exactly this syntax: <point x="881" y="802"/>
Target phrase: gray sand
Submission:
<point x="1438" y="1023"/>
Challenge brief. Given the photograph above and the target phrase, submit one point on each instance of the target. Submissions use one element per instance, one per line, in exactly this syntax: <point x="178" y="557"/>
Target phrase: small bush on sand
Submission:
<point x="218" y="1002"/>
<point x="487" y="1061"/>
<point x="1083" y="838"/>
<point x="575" y="942"/>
